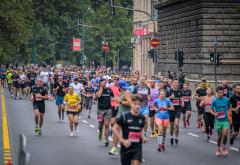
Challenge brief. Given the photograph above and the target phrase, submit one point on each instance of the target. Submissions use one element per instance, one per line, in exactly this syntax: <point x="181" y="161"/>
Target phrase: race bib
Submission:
<point x="134" y="136"/>
<point x="72" y="108"/>
<point x="221" y="115"/>
<point x="186" y="98"/>
<point x="89" y="94"/>
<point x="38" y="98"/>
<point x="176" y="102"/>
<point x="161" y="109"/>
<point x="99" y="117"/>
<point x="238" y="104"/>
<point x="225" y="91"/>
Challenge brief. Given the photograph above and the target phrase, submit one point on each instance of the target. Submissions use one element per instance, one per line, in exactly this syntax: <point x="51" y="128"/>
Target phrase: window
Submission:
<point x="154" y="11"/>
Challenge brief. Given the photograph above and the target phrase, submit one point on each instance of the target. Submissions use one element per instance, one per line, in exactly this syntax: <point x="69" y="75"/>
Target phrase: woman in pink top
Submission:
<point x="207" y="116"/>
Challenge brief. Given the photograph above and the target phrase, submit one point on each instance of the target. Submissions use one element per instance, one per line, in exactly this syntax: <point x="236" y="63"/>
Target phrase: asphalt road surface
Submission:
<point x="55" y="147"/>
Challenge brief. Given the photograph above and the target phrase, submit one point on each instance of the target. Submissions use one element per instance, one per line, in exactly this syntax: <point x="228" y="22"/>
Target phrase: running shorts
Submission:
<point x="162" y="122"/>
<point x="104" y="114"/>
<point x="59" y="100"/>
<point x="39" y="106"/>
<point x="220" y="125"/>
<point x="174" y="114"/>
<point x="131" y="154"/>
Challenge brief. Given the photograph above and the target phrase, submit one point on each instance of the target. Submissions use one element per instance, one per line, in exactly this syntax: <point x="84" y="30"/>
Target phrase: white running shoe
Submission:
<point x="71" y="134"/>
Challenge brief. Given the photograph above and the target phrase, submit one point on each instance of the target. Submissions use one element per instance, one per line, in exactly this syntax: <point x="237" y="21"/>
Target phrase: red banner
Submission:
<point x="140" y="32"/>
<point x="76" y="44"/>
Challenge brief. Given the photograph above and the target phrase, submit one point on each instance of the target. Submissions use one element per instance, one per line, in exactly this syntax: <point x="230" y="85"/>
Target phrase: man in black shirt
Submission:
<point x="235" y="108"/>
<point x="132" y="125"/>
<point x="38" y="95"/>
<point x="32" y="77"/>
<point x="60" y="89"/>
<point x="104" y="112"/>
<point x="15" y="78"/>
<point x="200" y="92"/>
<point x="174" y="116"/>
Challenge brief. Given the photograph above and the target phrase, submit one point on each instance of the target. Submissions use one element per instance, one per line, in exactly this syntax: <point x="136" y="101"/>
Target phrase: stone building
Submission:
<point x="142" y="34"/>
<point x="196" y="27"/>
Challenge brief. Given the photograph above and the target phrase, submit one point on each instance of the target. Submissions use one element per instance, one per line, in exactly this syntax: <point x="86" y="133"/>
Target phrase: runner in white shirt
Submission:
<point x="44" y="75"/>
<point x="22" y="84"/>
<point x="77" y="86"/>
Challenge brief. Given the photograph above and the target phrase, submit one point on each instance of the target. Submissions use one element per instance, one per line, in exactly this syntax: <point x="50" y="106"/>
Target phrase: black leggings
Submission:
<point x="209" y="121"/>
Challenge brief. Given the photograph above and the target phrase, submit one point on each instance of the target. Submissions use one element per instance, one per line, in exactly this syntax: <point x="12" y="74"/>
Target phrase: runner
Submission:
<point x="10" y="81"/>
<point x="186" y="110"/>
<point x="124" y="106"/>
<point x="154" y="93"/>
<point x="144" y="91"/>
<point x="199" y="93"/>
<point x="38" y="95"/>
<point x="219" y="109"/>
<point x="132" y="125"/>
<point x="104" y="112"/>
<point x="3" y="75"/>
<point x="162" y="105"/>
<point x="174" y="116"/>
<point x="88" y="93"/>
<point x="72" y="103"/>
<point x="22" y="84"/>
<point x="206" y="102"/>
<point x="15" y="78"/>
<point x="133" y="88"/>
<point x="235" y="109"/>
<point x="60" y="89"/>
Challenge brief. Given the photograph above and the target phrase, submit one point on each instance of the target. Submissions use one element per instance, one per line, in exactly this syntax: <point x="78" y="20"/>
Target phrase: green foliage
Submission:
<point x="53" y="23"/>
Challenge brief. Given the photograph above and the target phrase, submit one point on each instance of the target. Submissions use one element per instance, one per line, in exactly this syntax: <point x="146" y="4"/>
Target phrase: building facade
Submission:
<point x="198" y="28"/>
<point x="142" y="34"/>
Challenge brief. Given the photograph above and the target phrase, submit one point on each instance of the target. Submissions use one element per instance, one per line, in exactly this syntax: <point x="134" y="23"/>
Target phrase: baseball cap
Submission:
<point x="122" y="84"/>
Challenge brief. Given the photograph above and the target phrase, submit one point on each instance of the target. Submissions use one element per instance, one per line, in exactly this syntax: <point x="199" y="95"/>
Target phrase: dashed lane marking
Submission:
<point x="235" y="149"/>
<point x="212" y="142"/>
<point x="194" y="135"/>
<point x="84" y="121"/>
<point x="91" y="125"/>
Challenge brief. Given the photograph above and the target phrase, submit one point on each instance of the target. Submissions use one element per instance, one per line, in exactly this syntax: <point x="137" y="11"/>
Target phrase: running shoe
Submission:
<point x="39" y="131"/>
<point x="163" y="147"/>
<point x="208" y="138"/>
<point x="113" y="151"/>
<point x="89" y="116"/>
<point x="159" y="148"/>
<point x="71" y="134"/>
<point x="36" y="130"/>
<point x="100" y="136"/>
<point x="176" y="141"/>
<point x="106" y="143"/>
<point x="218" y="152"/>
<point x="153" y="135"/>
<point x="171" y="141"/>
<point x="225" y="151"/>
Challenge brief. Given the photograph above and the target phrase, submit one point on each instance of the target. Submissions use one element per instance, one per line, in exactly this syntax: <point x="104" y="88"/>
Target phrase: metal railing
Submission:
<point x="23" y="155"/>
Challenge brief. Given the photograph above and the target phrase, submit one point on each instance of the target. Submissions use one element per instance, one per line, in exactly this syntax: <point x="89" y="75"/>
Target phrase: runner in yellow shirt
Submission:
<point x="72" y="105"/>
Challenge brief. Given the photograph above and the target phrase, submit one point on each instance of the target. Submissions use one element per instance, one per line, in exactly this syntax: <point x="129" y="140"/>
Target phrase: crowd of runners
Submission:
<point x="128" y="104"/>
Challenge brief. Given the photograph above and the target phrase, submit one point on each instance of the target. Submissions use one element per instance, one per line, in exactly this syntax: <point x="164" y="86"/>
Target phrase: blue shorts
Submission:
<point x="59" y="100"/>
<point x="144" y="111"/>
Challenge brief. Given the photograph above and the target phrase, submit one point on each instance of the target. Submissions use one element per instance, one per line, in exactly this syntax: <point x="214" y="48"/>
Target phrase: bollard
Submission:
<point x="9" y="162"/>
<point x="23" y="155"/>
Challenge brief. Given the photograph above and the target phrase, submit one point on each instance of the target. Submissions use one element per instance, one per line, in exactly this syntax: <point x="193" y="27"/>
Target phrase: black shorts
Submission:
<point x="174" y="114"/>
<point x="131" y="154"/>
<point x="15" y="84"/>
<point x="22" y="86"/>
<point x="152" y="113"/>
<point x="39" y="106"/>
<point x="200" y="110"/>
<point x="114" y="111"/>
<point x="73" y="113"/>
<point x="187" y="107"/>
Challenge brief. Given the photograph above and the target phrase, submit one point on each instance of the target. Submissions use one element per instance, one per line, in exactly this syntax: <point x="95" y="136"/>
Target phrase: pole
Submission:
<point x="177" y="63"/>
<point x="34" y="46"/>
<point x="155" y="62"/>
<point x="105" y="59"/>
<point x="83" y="33"/>
<point x="118" y="59"/>
<point x="215" y="67"/>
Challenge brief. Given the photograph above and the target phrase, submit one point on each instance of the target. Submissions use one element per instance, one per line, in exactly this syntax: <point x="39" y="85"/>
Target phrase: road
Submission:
<point x="55" y="147"/>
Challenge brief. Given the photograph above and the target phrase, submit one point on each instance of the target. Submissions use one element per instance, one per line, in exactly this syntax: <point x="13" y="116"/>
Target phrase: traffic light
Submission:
<point x="212" y="58"/>
<point x="151" y="55"/>
<point x="219" y="59"/>
<point x="112" y="9"/>
<point x="179" y="57"/>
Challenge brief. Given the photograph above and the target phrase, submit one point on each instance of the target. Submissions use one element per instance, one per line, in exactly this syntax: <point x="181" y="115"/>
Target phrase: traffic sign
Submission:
<point x="154" y="42"/>
<point x="105" y="48"/>
<point x="76" y="44"/>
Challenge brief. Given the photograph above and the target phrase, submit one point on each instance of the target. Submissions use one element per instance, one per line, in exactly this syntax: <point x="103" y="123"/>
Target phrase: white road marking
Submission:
<point x="84" y="121"/>
<point x="91" y="125"/>
<point x="212" y="142"/>
<point x="235" y="149"/>
<point x="194" y="135"/>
